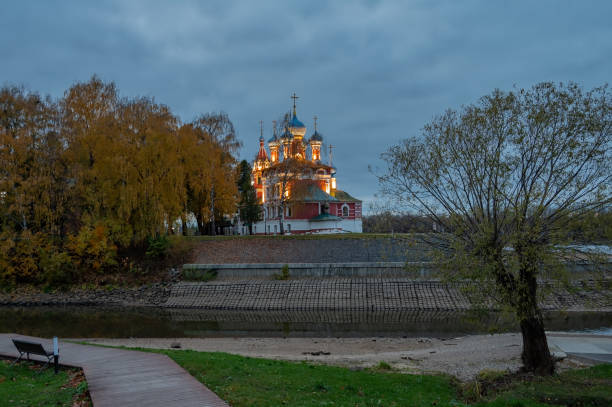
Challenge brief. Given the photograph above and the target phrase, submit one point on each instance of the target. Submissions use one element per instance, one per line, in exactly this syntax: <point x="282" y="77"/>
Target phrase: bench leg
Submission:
<point x="44" y="366"/>
<point x="56" y="363"/>
<point x="16" y="360"/>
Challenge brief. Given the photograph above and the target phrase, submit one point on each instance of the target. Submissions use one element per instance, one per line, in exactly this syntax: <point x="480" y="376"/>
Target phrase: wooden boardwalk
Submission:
<point x="119" y="377"/>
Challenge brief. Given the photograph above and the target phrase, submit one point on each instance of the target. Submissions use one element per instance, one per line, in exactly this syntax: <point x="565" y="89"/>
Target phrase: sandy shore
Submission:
<point x="462" y="357"/>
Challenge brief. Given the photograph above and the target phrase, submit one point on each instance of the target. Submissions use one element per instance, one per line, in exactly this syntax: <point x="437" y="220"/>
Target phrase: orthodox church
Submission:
<point x="296" y="189"/>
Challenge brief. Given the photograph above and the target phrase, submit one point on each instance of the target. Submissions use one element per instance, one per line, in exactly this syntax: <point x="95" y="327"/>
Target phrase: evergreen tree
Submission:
<point x="250" y="210"/>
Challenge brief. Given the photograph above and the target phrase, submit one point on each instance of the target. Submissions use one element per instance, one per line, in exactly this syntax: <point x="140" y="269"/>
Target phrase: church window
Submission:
<point x="289" y="227"/>
<point x="345" y="211"/>
<point x="275" y="227"/>
<point x="288" y="212"/>
<point x="259" y="180"/>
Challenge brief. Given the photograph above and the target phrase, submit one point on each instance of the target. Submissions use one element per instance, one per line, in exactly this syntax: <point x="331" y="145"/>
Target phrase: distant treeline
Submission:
<point x="593" y="227"/>
<point x="91" y="178"/>
<point x="388" y="222"/>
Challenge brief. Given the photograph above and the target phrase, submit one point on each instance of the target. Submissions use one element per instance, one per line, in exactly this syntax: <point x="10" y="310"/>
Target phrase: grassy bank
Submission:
<point x="20" y="385"/>
<point x="244" y="381"/>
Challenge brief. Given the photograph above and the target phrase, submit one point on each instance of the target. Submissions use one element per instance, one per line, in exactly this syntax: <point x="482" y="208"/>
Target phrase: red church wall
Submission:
<point x="305" y="210"/>
<point x="335" y="209"/>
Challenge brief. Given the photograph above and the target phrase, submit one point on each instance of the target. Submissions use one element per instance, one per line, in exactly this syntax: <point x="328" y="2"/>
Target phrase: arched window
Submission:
<point x="345" y="211"/>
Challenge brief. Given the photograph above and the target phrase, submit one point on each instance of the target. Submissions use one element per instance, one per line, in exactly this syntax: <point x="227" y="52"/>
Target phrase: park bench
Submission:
<point x="27" y="348"/>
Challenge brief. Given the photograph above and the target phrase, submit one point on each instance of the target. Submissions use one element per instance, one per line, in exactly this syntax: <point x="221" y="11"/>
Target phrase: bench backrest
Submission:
<point x="29" y="347"/>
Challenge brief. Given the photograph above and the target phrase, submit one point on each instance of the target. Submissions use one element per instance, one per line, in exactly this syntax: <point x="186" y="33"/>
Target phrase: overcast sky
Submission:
<point x="374" y="72"/>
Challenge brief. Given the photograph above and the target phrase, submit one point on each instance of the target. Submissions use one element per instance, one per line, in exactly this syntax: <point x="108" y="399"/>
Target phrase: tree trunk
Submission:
<point x="213" y="230"/>
<point x="201" y="225"/>
<point x="536" y="356"/>
<point x="184" y="225"/>
<point x="281" y="219"/>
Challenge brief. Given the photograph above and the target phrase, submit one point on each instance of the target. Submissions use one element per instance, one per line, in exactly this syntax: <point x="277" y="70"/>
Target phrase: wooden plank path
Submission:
<point x="118" y="377"/>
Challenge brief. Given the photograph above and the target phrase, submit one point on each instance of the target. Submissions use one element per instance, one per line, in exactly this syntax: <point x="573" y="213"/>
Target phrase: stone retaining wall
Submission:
<point x="396" y="269"/>
<point x="311" y="270"/>
<point x="305" y="250"/>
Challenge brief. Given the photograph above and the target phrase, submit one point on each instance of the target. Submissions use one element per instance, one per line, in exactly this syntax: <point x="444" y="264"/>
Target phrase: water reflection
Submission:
<point x="103" y="322"/>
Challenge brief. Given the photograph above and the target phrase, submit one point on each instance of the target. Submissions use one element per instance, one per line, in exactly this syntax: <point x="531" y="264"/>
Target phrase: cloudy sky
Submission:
<point x="374" y="72"/>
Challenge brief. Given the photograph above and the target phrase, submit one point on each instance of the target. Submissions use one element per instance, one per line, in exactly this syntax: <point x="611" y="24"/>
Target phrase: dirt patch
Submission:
<point x="462" y="357"/>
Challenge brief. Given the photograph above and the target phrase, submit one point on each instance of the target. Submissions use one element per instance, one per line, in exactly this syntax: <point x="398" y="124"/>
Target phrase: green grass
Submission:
<point x="21" y="386"/>
<point x="584" y="387"/>
<point x="244" y="381"/>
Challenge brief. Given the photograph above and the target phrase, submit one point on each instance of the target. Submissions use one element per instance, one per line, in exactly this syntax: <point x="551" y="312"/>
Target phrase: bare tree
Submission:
<point x="288" y="178"/>
<point x="505" y="176"/>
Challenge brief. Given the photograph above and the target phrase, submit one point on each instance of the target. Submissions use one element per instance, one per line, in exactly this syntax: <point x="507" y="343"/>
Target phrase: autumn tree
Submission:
<point x="208" y="147"/>
<point x="505" y="176"/>
<point x="32" y="180"/>
<point x="220" y="131"/>
<point x="93" y="175"/>
<point x="124" y="163"/>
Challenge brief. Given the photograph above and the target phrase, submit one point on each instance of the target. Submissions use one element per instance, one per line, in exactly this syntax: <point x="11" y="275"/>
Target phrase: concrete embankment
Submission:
<point x="358" y="294"/>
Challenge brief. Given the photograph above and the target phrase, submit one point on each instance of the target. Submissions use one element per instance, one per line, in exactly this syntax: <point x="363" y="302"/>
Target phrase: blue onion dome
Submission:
<point x="287" y="135"/>
<point x="296" y="126"/>
<point x="296" y="123"/>
<point x="316" y="136"/>
<point x="273" y="139"/>
<point x="261" y="138"/>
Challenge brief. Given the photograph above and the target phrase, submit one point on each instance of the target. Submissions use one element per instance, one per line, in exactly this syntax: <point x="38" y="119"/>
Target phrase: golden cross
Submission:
<point x="315" y="121"/>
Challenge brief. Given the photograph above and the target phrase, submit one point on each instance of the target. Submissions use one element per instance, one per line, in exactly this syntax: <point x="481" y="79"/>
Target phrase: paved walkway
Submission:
<point x="117" y="377"/>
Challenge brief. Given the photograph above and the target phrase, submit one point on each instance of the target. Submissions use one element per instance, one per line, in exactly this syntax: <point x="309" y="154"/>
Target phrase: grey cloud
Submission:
<point x="373" y="71"/>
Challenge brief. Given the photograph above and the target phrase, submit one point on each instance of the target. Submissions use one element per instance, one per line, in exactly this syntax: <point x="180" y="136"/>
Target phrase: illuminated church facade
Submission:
<point x="297" y="189"/>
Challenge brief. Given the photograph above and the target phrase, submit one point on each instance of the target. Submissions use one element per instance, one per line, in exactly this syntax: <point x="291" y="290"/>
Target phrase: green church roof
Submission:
<point x="323" y="217"/>
<point x="316" y="194"/>
<point x="345" y="197"/>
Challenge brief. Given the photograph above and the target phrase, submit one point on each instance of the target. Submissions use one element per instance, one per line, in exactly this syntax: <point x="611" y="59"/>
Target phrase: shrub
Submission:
<point x="57" y="268"/>
<point x="200" y="275"/>
<point x="284" y="273"/>
<point x="158" y="247"/>
<point x="92" y="249"/>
